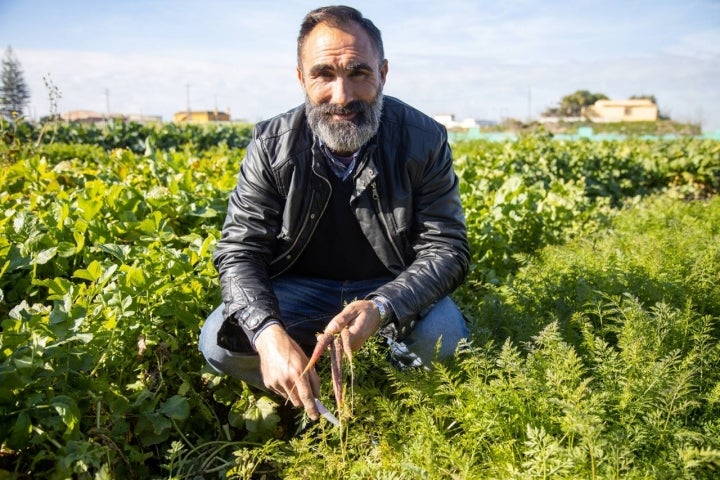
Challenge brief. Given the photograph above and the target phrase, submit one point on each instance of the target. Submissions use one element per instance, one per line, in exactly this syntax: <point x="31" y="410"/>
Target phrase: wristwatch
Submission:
<point x="382" y="309"/>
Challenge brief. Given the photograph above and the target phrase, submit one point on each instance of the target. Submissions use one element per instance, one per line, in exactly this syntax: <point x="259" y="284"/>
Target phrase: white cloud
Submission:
<point x="139" y="83"/>
<point x="684" y="87"/>
<point x="481" y="59"/>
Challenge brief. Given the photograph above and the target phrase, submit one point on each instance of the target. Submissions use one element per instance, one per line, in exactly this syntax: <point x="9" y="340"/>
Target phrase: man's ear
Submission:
<point x="300" y="76"/>
<point x="384" y="71"/>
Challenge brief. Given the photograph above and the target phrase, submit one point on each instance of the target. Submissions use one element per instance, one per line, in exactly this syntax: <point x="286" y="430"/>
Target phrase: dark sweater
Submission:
<point x="338" y="250"/>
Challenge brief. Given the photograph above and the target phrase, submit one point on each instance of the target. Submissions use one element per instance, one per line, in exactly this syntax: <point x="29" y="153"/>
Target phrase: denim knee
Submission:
<point x="443" y="324"/>
<point x="241" y="366"/>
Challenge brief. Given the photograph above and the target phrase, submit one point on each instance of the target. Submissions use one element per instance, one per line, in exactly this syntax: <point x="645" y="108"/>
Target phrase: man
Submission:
<point x="346" y="214"/>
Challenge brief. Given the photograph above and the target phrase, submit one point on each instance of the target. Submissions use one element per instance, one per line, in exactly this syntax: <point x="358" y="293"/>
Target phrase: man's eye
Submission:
<point x="324" y="75"/>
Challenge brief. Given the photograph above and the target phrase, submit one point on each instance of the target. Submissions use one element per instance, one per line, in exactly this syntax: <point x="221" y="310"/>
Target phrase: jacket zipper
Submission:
<point x="383" y="221"/>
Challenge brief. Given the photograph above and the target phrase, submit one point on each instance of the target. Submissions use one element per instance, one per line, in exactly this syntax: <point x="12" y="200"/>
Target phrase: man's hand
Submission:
<point x="281" y="363"/>
<point x="362" y="319"/>
<point x="282" y="360"/>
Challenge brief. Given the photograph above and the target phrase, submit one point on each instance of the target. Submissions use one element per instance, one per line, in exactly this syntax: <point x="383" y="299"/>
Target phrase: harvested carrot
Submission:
<point x="324" y="341"/>
<point x="338" y="344"/>
<point x="336" y="353"/>
<point x="345" y="336"/>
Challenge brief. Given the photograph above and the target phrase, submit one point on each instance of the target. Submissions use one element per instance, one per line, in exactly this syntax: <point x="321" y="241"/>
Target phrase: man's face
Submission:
<point x="343" y="78"/>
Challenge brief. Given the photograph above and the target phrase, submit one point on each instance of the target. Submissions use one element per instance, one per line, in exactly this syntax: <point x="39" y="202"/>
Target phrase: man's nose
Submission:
<point x="341" y="91"/>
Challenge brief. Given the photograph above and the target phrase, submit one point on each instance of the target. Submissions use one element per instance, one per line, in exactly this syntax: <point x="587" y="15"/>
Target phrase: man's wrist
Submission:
<point x="253" y="333"/>
<point x="269" y="325"/>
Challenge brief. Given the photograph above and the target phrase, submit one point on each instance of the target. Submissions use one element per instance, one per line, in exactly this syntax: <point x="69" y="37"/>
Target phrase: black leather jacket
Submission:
<point x="406" y="201"/>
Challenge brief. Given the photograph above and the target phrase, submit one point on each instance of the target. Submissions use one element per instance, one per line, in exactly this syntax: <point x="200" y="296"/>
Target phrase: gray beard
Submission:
<point x="345" y="136"/>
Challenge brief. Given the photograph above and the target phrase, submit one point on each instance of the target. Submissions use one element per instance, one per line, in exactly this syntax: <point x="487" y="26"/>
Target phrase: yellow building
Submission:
<point x="201" y="116"/>
<point x="636" y="110"/>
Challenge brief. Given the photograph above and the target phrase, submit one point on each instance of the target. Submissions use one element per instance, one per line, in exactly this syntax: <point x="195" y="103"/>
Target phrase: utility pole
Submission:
<point x="107" y="105"/>
<point x="529" y="104"/>
<point x="187" y="86"/>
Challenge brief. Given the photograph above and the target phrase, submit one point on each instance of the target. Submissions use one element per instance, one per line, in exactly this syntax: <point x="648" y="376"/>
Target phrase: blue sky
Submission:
<point x="482" y="59"/>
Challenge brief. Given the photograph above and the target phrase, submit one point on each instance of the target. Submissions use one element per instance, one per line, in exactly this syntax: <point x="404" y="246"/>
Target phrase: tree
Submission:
<point x="572" y="105"/>
<point x="14" y="92"/>
<point x="644" y="97"/>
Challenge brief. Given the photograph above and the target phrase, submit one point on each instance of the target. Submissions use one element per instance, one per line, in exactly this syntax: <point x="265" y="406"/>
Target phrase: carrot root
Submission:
<point x="339" y="345"/>
<point x="324" y="341"/>
<point x="336" y="352"/>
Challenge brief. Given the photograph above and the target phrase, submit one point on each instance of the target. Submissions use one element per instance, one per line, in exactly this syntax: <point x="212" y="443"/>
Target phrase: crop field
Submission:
<point x="593" y="297"/>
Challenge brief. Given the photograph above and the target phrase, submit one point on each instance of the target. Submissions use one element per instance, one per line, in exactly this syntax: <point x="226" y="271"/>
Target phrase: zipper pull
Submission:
<point x="373" y="187"/>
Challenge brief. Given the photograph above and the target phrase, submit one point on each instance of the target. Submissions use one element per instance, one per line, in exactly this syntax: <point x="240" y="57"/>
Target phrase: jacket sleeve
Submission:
<point x="242" y="255"/>
<point x="439" y="241"/>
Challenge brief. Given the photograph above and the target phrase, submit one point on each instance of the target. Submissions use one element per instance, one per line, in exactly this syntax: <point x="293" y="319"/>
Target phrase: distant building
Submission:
<point x="636" y="110"/>
<point x="468" y="123"/>
<point x="556" y="119"/>
<point x="89" y="116"/>
<point x="201" y="116"/>
<point x="139" y="118"/>
<point x="86" y="116"/>
<point x="448" y="120"/>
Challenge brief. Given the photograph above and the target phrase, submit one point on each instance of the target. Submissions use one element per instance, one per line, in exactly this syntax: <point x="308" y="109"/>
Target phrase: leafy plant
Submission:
<point x="593" y="295"/>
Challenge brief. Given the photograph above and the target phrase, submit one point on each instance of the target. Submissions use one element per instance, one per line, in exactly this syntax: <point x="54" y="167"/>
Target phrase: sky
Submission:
<point x="483" y="59"/>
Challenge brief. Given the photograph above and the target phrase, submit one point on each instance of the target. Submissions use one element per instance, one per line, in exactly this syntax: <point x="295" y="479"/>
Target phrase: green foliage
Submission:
<point x="662" y="127"/>
<point x="105" y="278"/>
<point x="661" y="251"/>
<point x="538" y="191"/>
<point x="594" y="294"/>
<point x="135" y="137"/>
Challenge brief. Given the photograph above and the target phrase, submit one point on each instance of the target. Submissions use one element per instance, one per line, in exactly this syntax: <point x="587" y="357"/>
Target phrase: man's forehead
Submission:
<point x="348" y="39"/>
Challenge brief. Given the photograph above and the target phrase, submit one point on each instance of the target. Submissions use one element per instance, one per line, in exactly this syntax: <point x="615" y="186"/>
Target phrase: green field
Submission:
<point x="594" y="296"/>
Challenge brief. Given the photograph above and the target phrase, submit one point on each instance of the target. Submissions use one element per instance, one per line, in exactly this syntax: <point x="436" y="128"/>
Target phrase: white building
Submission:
<point x="448" y="120"/>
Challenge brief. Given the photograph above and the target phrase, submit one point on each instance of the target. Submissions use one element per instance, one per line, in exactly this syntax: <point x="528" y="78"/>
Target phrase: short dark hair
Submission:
<point x="338" y="16"/>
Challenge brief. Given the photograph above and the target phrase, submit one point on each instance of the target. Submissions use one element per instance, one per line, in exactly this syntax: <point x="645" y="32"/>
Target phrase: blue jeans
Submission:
<point x="308" y="304"/>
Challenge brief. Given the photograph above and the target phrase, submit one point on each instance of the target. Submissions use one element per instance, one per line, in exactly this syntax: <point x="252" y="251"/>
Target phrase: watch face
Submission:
<point x="381" y="309"/>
